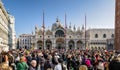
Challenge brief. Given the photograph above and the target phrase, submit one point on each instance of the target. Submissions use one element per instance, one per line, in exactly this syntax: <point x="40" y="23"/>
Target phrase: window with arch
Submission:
<point x="96" y="47"/>
<point x="91" y="47"/>
<point x="59" y="33"/>
<point x="23" y="41"/>
<point x="112" y="35"/>
<point x="96" y="35"/>
<point x="104" y="35"/>
<point x="99" y="47"/>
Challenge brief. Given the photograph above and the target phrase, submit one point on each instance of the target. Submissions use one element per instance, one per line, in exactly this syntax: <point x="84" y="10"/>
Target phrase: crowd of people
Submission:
<point x="23" y="59"/>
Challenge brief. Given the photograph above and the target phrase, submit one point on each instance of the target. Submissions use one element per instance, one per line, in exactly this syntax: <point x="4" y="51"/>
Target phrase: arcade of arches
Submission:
<point x="60" y="44"/>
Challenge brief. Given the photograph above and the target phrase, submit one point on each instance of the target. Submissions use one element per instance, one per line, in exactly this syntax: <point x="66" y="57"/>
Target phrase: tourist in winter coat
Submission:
<point x="33" y="65"/>
<point x="22" y="65"/>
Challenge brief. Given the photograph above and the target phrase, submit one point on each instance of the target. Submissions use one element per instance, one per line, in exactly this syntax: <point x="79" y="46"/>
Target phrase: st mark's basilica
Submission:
<point x="63" y="37"/>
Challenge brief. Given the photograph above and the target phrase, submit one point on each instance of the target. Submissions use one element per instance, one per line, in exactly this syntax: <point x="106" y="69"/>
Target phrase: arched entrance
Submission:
<point x="26" y="47"/>
<point x="60" y="43"/>
<point x="48" y="44"/>
<point x="39" y="44"/>
<point x="80" y="45"/>
<point x="71" y="44"/>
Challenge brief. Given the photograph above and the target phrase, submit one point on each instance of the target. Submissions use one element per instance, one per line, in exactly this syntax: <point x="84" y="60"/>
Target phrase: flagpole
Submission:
<point x="85" y="31"/>
<point x="65" y="31"/>
<point x="43" y="26"/>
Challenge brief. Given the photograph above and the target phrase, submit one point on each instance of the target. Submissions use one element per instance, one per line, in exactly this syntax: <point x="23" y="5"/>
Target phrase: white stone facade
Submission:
<point x="4" y="28"/>
<point x="97" y="38"/>
<point x="26" y="41"/>
<point x="12" y="33"/>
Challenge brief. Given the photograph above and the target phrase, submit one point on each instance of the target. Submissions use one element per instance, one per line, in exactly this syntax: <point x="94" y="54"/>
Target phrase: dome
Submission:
<point x="60" y="27"/>
<point x="56" y="24"/>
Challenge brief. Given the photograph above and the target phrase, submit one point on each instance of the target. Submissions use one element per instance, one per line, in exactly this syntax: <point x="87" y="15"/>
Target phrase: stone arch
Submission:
<point x="79" y="44"/>
<point x="99" y="48"/>
<point x="96" y="48"/>
<point x="59" y="33"/>
<point x="26" y="47"/>
<point x="60" y="43"/>
<point x="48" y="44"/>
<point x="104" y="35"/>
<point x="96" y="35"/>
<point x="71" y="44"/>
<point x="103" y="48"/>
<point x="112" y="36"/>
<point x="39" y="44"/>
<point x="92" y="48"/>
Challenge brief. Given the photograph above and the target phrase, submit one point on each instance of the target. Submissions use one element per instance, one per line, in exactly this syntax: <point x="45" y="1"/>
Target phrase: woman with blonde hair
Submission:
<point x="22" y="65"/>
<point x="4" y="65"/>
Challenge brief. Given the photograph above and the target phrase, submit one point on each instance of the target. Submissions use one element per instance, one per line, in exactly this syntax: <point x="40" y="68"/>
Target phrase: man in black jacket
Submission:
<point x="115" y="64"/>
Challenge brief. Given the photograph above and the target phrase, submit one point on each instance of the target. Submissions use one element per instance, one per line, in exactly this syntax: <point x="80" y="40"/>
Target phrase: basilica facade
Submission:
<point x="61" y="37"/>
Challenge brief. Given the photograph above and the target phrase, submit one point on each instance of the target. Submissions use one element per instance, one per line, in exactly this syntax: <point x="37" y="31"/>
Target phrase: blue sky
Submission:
<point x="28" y="13"/>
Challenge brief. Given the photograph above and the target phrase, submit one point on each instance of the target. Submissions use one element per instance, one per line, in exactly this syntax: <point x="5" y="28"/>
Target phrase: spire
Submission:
<point x="35" y="27"/>
<point x="70" y="25"/>
<point x="65" y="21"/>
<point x="74" y="28"/>
<point x="57" y="20"/>
<point x="82" y="27"/>
<point x="85" y="22"/>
